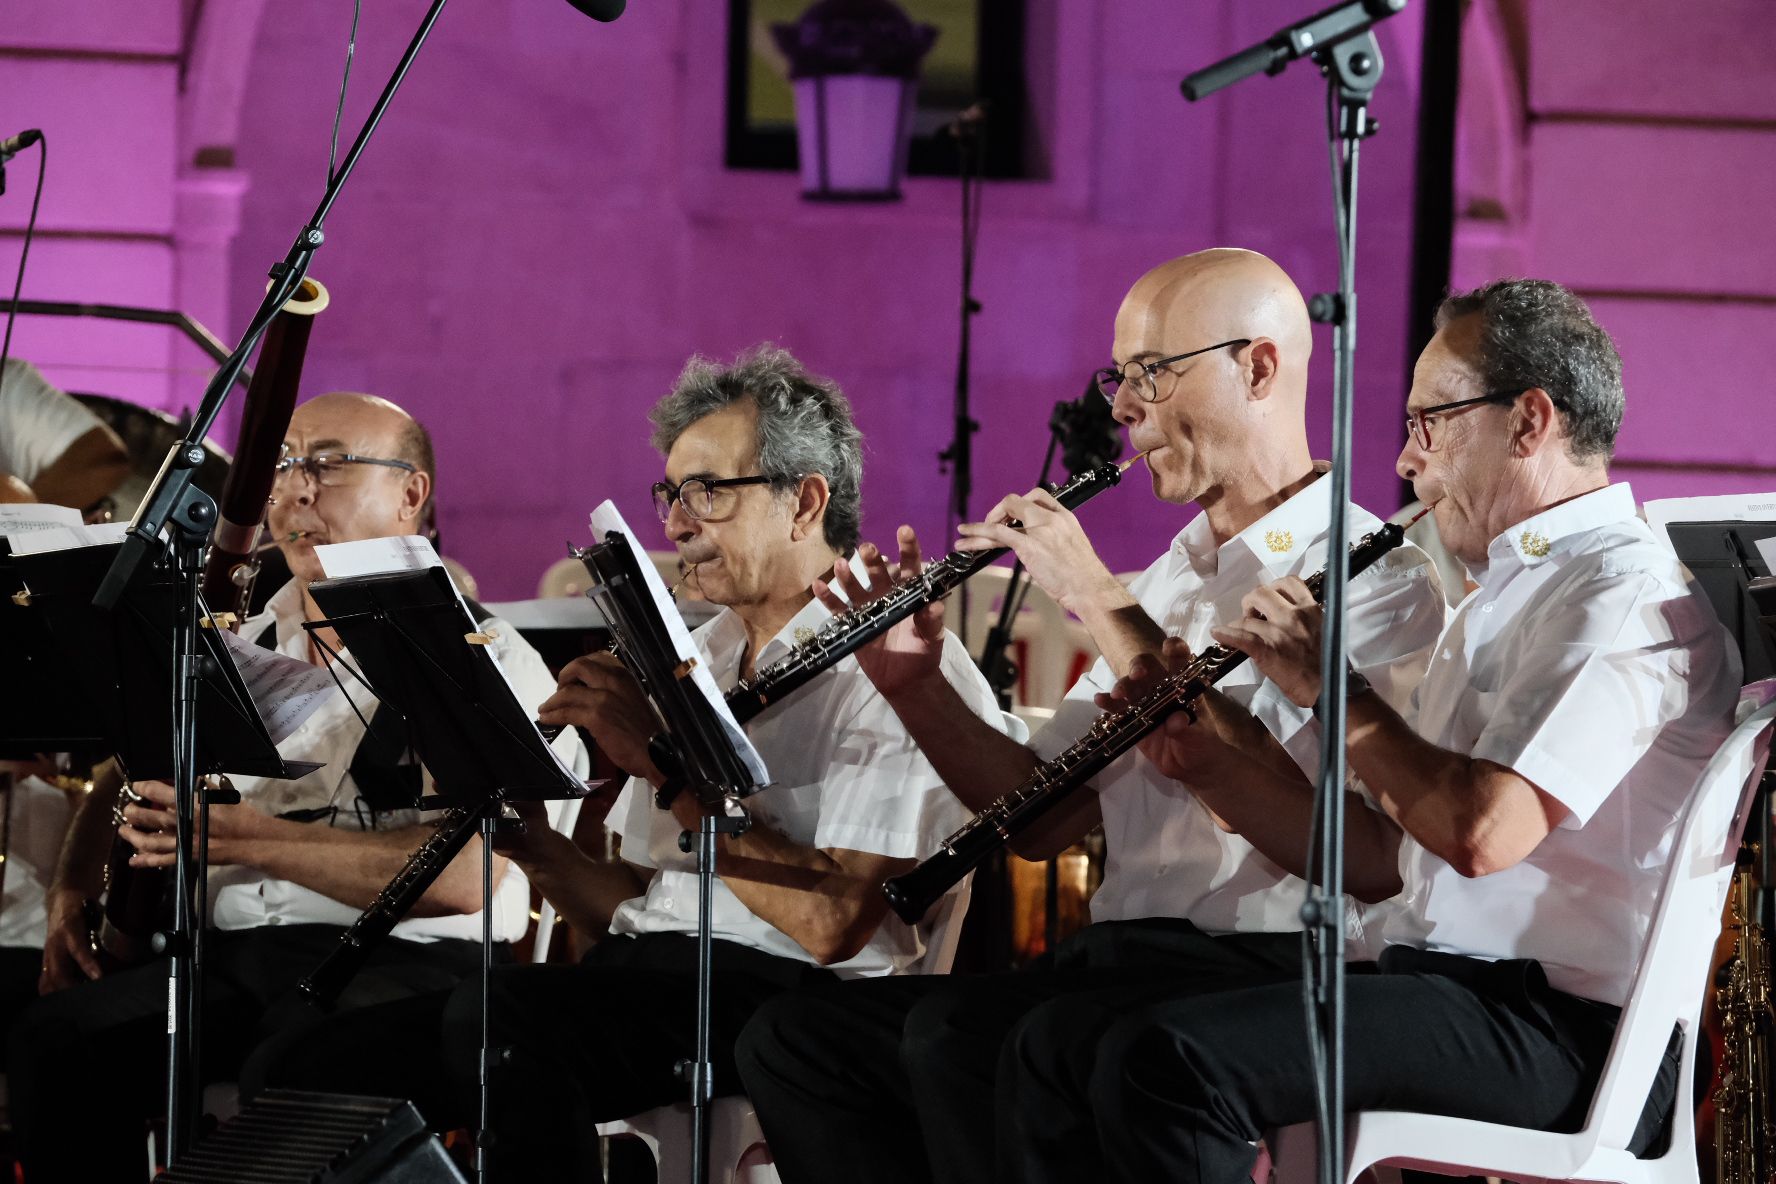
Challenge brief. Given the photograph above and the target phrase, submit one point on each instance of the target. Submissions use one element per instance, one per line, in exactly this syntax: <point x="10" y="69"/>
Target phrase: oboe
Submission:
<point x="1110" y="736"/>
<point x="844" y="635"/>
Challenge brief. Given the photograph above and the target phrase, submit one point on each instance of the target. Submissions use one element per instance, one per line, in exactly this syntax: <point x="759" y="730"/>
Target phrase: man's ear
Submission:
<point x="1263" y="363"/>
<point x="1534" y="423"/>
<point x="414" y="495"/>
<point x="812" y="494"/>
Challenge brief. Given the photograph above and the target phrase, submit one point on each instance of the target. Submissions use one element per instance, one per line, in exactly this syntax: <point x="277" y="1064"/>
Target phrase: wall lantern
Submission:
<point x="854" y="66"/>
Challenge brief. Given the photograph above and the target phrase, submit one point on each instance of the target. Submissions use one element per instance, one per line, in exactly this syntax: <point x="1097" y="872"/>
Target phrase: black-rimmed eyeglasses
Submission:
<point x="1418" y="423"/>
<point x="1110" y="379"/>
<point x="699" y="495"/>
<point x="334" y="468"/>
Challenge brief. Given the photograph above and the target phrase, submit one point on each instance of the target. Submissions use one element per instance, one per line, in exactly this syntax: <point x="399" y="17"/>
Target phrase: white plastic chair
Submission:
<point x="1668" y="988"/>
<point x="737" y="1151"/>
<point x="1049" y="647"/>
<point x="570" y="816"/>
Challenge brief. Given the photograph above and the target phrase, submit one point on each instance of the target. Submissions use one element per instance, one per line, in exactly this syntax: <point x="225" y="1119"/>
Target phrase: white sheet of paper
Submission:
<point x="18" y="518"/>
<point x="1734" y="507"/>
<point x="67" y="538"/>
<point x="606" y="519"/>
<point x="1767" y="552"/>
<point x="285" y="690"/>
<point x="414" y="552"/>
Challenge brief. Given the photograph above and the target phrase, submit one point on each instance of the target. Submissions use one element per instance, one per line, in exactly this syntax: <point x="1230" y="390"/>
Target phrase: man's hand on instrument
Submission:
<point x="598" y="693"/>
<point x="149" y="827"/>
<point x="1281" y="634"/>
<point x="1054" y="550"/>
<point x="912" y="651"/>
<point x="68" y="956"/>
<point x="534" y="843"/>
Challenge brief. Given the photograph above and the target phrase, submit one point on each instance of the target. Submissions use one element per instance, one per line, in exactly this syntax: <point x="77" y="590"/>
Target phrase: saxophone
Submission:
<point x="846" y="634"/>
<point x="1743" y="1126"/>
<point x="1110" y="736"/>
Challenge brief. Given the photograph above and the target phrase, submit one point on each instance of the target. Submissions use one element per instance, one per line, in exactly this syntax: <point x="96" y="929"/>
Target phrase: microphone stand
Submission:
<point x="1341" y="41"/>
<point x="960" y="454"/>
<point x="175" y="506"/>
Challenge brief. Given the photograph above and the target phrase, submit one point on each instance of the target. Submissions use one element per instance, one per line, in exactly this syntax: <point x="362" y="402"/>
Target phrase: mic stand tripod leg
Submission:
<point x="698" y="1072"/>
<point x="485" y="1139"/>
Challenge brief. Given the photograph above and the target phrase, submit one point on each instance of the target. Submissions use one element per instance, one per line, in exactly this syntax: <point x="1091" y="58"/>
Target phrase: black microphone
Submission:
<point x="1086" y="430"/>
<point x="14" y="145"/>
<point x="600" y="10"/>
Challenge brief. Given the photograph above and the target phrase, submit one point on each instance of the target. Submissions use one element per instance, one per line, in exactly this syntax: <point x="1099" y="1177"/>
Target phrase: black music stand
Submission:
<point x="414" y="642"/>
<point x="696" y="753"/>
<point x="53" y="715"/>
<point x="122" y="662"/>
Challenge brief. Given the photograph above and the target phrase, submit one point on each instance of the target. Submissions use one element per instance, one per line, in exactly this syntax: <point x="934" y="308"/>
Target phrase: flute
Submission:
<point x="1110" y="736"/>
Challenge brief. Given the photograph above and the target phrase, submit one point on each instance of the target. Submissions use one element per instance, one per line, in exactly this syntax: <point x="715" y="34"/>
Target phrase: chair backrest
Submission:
<point x="539" y="951"/>
<point x="1669" y="983"/>
<point x="1050" y="648"/>
<point x="945" y="931"/>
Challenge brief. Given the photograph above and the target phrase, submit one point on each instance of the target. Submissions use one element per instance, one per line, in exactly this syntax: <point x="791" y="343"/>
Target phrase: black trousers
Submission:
<point x="1178" y="1089"/>
<point x="599" y="1041"/>
<point x="901" y="1079"/>
<point x="86" y="1066"/>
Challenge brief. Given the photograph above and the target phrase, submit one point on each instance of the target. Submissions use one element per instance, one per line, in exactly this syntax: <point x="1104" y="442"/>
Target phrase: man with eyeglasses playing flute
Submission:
<point x="896" y="1081"/>
<point x="291" y="865"/>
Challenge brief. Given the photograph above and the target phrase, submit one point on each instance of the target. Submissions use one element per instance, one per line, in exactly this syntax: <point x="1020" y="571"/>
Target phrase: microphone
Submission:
<point x="14" y="145"/>
<point x="1086" y="430"/>
<point x="600" y="10"/>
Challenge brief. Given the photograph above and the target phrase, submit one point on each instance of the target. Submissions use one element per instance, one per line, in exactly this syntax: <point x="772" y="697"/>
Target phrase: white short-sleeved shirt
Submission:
<point x="845" y="775"/>
<point x="37" y="421"/>
<point x="1589" y="663"/>
<point x="38" y="820"/>
<point x="243" y="897"/>
<point x="1164" y="854"/>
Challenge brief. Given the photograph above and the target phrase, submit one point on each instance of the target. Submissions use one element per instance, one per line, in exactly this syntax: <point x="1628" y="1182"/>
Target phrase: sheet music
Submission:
<point x="1767" y="552"/>
<point x="1735" y="507"/>
<point x="284" y="689"/>
<point x="414" y="552"/>
<point x="66" y="538"/>
<point x="18" y="518"/>
<point x="606" y="519"/>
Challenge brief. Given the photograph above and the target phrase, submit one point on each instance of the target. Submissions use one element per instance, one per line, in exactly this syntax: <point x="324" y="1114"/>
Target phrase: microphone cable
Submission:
<point x="18" y="282"/>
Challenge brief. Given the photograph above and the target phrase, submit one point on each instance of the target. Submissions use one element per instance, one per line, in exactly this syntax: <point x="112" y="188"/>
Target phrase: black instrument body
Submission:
<point x="1110" y="736"/>
<point x="845" y="635"/>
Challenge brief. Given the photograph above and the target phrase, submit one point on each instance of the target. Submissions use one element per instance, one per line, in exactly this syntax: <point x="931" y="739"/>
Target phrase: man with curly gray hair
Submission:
<point x="760" y="496"/>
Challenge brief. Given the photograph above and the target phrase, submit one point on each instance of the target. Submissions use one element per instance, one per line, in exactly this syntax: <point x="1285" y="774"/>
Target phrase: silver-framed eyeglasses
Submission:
<point x="701" y="497"/>
<point x="1418" y="423"/>
<point x="1110" y="379"/>
<point x="329" y="469"/>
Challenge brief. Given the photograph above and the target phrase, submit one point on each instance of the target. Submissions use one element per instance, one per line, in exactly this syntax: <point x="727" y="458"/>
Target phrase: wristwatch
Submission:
<point x="1354" y="684"/>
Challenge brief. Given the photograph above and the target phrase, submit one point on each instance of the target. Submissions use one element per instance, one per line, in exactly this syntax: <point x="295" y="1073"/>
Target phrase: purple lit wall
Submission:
<point x="543" y="230"/>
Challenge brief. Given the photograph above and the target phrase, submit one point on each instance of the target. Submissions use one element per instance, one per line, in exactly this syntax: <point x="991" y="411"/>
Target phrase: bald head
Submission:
<point x="367" y="500"/>
<point x="1218" y="295"/>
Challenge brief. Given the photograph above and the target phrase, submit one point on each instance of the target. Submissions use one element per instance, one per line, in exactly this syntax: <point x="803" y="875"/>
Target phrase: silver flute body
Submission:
<point x="1113" y="734"/>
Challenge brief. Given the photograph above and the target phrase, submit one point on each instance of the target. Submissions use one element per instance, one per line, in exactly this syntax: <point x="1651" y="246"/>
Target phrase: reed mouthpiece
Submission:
<point x="1130" y="463"/>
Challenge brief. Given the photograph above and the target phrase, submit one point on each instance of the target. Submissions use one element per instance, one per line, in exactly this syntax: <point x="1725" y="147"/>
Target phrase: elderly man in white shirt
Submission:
<point x="1527" y="810"/>
<point x="291" y="865"/>
<point x="761" y="496"/>
<point x="1212" y="386"/>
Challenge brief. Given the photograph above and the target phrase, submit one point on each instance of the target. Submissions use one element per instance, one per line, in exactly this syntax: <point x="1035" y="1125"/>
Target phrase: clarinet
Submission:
<point x="1110" y="736"/>
<point x="844" y="635"/>
<point x="837" y="640"/>
<point x="395" y="901"/>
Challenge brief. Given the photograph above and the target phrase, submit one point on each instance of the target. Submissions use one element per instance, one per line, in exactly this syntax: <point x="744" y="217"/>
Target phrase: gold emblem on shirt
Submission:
<point x="1279" y="540"/>
<point x="1535" y="544"/>
<point x="803" y="635"/>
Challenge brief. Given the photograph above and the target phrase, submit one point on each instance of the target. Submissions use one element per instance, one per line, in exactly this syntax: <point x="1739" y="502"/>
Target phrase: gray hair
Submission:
<point x="804" y="427"/>
<point x="1535" y="333"/>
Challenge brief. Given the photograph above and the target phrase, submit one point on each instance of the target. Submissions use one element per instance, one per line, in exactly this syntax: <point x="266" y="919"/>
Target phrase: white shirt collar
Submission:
<point x="725" y="636"/>
<point x="1539" y="536"/>
<point x="1273" y="542"/>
